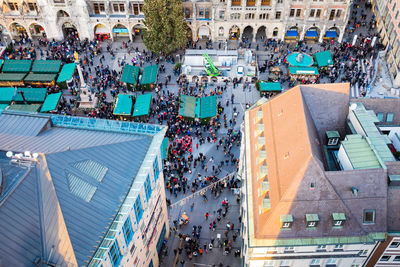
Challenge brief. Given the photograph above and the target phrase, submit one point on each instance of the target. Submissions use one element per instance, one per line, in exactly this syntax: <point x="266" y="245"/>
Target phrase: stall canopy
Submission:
<point x="142" y="105"/>
<point x="187" y="106"/>
<point x="25" y="108"/>
<point x="130" y="74"/>
<point x="312" y="34"/>
<point x="149" y="75"/>
<point x="12" y="77"/>
<point x="40" y="77"/>
<point x="292" y="33"/>
<point x="331" y="34"/>
<point x="270" y="87"/>
<point x="202" y="108"/>
<point x="51" y="102"/>
<point x="13" y="65"/>
<point x="208" y="107"/>
<point x="6" y="95"/>
<point x="323" y="59"/>
<point x="124" y="105"/>
<point x="303" y="70"/>
<point x="164" y="148"/>
<point x="66" y="72"/>
<point x="46" y="66"/>
<point x="101" y="29"/>
<point x="31" y="95"/>
<point x="1" y="62"/>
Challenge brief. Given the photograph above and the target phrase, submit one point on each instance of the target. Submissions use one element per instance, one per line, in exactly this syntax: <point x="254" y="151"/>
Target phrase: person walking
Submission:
<point x="206" y="215"/>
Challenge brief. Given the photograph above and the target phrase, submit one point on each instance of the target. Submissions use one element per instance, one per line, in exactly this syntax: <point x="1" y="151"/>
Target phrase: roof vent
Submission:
<point x="354" y="190"/>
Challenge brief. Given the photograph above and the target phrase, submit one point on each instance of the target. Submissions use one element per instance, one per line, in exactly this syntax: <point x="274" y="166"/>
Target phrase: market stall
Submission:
<point x="66" y="73"/>
<point x="12" y="79"/>
<point x="130" y="75"/>
<point x="203" y="108"/>
<point x="46" y="66"/>
<point x="123" y="106"/>
<point x="142" y="105"/>
<point x="40" y="79"/>
<point x="6" y="96"/>
<point x="17" y="66"/>
<point x="51" y="102"/>
<point x="149" y="76"/>
<point x="323" y="59"/>
<point x="304" y="74"/>
<point x="30" y="95"/>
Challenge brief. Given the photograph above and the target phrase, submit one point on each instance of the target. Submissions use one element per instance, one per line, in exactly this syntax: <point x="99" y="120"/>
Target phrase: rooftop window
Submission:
<point x="286" y="221"/>
<point x="369" y="217"/>
<point x="312" y="220"/>
<point x="394" y="245"/>
<point x="385" y="258"/>
<point x="389" y="117"/>
<point x="338" y="219"/>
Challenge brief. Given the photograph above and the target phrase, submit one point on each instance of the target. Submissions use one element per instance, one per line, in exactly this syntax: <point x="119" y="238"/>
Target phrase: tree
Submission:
<point x="166" y="26"/>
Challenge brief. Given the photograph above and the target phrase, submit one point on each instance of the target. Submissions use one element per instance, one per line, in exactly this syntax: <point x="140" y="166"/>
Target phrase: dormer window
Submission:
<point x="312" y="220"/>
<point x="338" y="219"/>
<point x="286" y="222"/>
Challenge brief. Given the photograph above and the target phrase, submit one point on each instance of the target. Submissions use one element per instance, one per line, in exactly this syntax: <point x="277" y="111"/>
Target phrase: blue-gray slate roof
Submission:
<point x="91" y="171"/>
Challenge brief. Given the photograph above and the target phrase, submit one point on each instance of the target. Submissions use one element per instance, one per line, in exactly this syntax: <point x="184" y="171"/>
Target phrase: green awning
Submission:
<point x="270" y="87"/>
<point x="323" y="58"/>
<point x="303" y="70"/>
<point x="332" y="134"/>
<point x="25" y="108"/>
<point x="40" y="77"/>
<point x="51" y="102"/>
<point x="142" y="105"/>
<point x="187" y="106"/>
<point x="46" y="66"/>
<point x="36" y="95"/>
<point x="149" y="75"/>
<point x="124" y="105"/>
<point x="312" y="218"/>
<point x="130" y="74"/>
<point x="164" y="148"/>
<point x="13" y="65"/>
<point x="287" y="218"/>
<point x="12" y="77"/>
<point x="339" y="216"/>
<point x="208" y="107"/>
<point x="6" y="94"/>
<point x="66" y="72"/>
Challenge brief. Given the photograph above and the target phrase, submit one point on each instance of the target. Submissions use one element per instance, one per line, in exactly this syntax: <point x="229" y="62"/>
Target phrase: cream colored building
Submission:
<point x="302" y="203"/>
<point x="216" y="20"/>
<point x="388" y="22"/>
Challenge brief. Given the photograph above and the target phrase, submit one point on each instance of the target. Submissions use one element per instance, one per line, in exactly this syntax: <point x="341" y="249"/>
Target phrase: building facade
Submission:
<point x="388" y="23"/>
<point x="316" y="188"/>
<point x="94" y="189"/>
<point x="215" y="20"/>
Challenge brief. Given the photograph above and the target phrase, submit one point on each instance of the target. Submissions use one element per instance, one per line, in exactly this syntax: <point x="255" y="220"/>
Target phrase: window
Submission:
<point x="369" y="217"/>
<point x="98" y="8"/>
<point x="315" y="263"/>
<point x="321" y="248"/>
<point x="138" y="209"/>
<point x="292" y="12"/>
<point x="235" y="16"/>
<point x="32" y="7"/>
<point x="331" y="262"/>
<point x="318" y="15"/>
<point x="278" y="15"/>
<point x="115" y="254"/>
<point x="385" y="258"/>
<point x="338" y="13"/>
<point x="275" y="32"/>
<point x="363" y="253"/>
<point x="289" y="249"/>
<point x="394" y="245"/>
<point x="298" y="13"/>
<point x="284" y="263"/>
<point x="286" y="225"/>
<point x="380" y="116"/>
<point x="128" y="232"/>
<point x="332" y="15"/>
<point x="280" y="1"/>
<point x="338" y="247"/>
<point x="133" y="248"/>
<point x="119" y="8"/>
<point x="249" y="16"/>
<point x="147" y="188"/>
<point x="264" y="16"/>
<point x="397" y="258"/>
<point x="156" y="169"/>
<point x="13" y="6"/>
<point x="389" y="117"/>
<point x="312" y="220"/>
<point x="312" y="12"/>
<point x="222" y="14"/>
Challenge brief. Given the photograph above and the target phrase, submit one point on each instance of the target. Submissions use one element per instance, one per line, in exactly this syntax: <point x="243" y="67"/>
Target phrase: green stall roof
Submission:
<point x="124" y="105"/>
<point x="51" y="102"/>
<point x="12" y="77"/>
<point x="25" y="108"/>
<point x="149" y="75"/>
<point x="164" y="148"/>
<point x="208" y="107"/>
<point x="269" y="87"/>
<point x="13" y="65"/>
<point x="130" y="74"/>
<point x="46" y="66"/>
<point x="31" y="95"/>
<point x="187" y="106"/>
<point x="6" y="94"/>
<point x="303" y="70"/>
<point x="40" y="77"/>
<point x="66" y="72"/>
<point x="323" y="58"/>
<point x="142" y="105"/>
